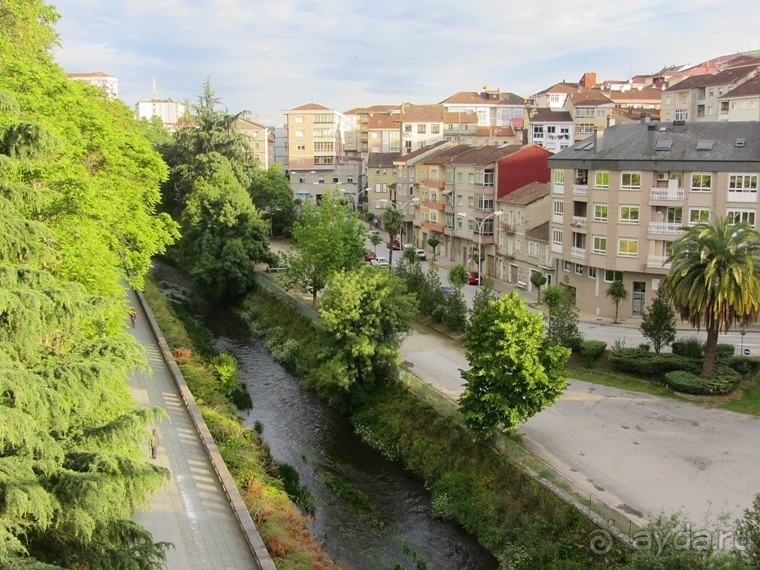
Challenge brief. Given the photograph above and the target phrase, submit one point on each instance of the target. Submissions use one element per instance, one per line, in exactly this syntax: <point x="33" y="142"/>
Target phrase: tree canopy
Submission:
<point x="714" y="279"/>
<point x="513" y="375"/>
<point x="79" y="184"/>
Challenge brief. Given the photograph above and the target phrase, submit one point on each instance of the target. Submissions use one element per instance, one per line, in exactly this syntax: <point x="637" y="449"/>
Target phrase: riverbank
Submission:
<point x="280" y="523"/>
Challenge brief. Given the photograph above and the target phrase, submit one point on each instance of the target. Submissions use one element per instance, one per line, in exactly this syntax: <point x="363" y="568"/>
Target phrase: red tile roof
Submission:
<point x="526" y="195"/>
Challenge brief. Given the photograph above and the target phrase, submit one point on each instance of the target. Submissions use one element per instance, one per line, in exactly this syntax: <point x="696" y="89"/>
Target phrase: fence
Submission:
<point x="288" y="298"/>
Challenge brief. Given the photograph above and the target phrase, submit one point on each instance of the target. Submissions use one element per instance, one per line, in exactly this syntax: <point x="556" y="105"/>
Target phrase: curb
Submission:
<point x="252" y="536"/>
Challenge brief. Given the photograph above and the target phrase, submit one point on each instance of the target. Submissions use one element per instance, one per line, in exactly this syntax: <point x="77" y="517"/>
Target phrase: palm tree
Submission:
<point x="714" y="279"/>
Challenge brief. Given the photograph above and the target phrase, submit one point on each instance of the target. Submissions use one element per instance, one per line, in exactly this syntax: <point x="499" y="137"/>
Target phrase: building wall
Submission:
<point x="517" y="170"/>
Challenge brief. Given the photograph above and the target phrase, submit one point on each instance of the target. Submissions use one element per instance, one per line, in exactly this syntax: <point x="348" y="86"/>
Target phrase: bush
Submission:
<point x="640" y="361"/>
<point x="645" y="346"/>
<point x="591" y="350"/>
<point x="690" y="347"/>
<point x="724" y="350"/>
<point x="686" y="382"/>
<point x="746" y="366"/>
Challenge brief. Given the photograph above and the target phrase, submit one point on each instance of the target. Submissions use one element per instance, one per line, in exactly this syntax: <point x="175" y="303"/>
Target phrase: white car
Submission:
<point x="383" y="261"/>
<point x="422" y="254"/>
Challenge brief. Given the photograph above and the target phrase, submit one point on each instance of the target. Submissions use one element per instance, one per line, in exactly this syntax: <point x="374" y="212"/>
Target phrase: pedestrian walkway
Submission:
<point x="192" y="510"/>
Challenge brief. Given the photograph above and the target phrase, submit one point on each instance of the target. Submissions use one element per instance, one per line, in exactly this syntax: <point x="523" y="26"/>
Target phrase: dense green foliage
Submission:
<point x="658" y="322"/>
<point x="721" y="383"/>
<point x="393" y="223"/>
<point x="562" y="319"/>
<point x="538" y="280"/>
<point x="617" y="292"/>
<point x="273" y="197"/>
<point x="512" y="375"/>
<point x="79" y="183"/>
<point x="591" y="350"/>
<point x="714" y="279"/>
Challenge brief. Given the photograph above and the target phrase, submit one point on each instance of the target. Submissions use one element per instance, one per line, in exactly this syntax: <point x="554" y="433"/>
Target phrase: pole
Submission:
<point x="480" y="248"/>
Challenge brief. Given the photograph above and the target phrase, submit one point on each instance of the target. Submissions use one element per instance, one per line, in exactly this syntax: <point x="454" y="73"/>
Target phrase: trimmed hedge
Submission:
<point x="647" y="363"/>
<point x="723" y="382"/>
<point x="591" y="350"/>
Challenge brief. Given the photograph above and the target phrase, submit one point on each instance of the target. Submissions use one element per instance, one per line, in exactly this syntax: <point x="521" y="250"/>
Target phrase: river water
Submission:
<point x="306" y="434"/>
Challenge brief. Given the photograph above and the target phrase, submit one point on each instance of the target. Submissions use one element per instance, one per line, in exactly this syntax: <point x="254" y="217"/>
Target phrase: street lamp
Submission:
<point x="401" y="207"/>
<point x="303" y="176"/>
<point x="354" y="195"/>
<point x="480" y="224"/>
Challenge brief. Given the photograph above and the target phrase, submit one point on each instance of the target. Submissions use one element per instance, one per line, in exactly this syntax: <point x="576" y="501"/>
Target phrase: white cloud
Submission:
<point x="269" y="56"/>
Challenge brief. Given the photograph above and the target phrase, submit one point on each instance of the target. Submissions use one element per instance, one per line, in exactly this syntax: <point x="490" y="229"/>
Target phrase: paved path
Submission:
<point x="639" y="453"/>
<point x="192" y="510"/>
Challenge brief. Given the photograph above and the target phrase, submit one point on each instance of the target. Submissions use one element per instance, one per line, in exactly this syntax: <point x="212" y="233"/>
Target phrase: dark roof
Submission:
<point x="526" y="194"/>
<point x="725" y="77"/>
<point x="633" y="147"/>
<point x="539" y="232"/>
<point x="447" y="155"/>
<point x="486" y="154"/>
<point x="382" y="159"/>
<point x="424" y="150"/>
<point x="543" y="115"/>
<point x="492" y="97"/>
<point x="749" y="88"/>
<point x="589" y="98"/>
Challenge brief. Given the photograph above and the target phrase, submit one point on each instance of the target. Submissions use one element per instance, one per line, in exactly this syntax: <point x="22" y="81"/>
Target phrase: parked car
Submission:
<point x="422" y="254"/>
<point x="374" y="232"/>
<point x="394" y="245"/>
<point x="475" y="279"/>
<point x="408" y="246"/>
<point x="369" y="255"/>
<point x="383" y="261"/>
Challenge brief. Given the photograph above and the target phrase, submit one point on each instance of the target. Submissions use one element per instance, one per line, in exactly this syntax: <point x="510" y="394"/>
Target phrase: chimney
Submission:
<point x="651" y="128"/>
<point x="598" y="140"/>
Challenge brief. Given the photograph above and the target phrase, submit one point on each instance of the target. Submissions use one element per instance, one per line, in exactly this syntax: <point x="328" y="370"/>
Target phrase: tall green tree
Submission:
<point x="538" y="279"/>
<point x="714" y="279"/>
<point x="617" y="292"/>
<point x="393" y="222"/>
<point x="433" y="242"/>
<point x="329" y="238"/>
<point x="562" y="318"/>
<point x="224" y="237"/>
<point x="513" y="375"/>
<point x="366" y="312"/>
<point x="658" y="323"/>
<point x="273" y="198"/>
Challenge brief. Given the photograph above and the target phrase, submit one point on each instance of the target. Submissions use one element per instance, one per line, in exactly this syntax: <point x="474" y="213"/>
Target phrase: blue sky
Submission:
<point x="264" y="57"/>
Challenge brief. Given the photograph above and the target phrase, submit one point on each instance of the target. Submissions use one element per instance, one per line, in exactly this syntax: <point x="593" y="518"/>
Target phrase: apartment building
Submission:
<point x="553" y="130"/>
<point x="523" y="245"/>
<point x="421" y="126"/>
<point x="620" y="199"/>
<point x="696" y="98"/>
<point x="741" y="103"/>
<point x="492" y="107"/>
<point x="316" y="153"/>
<point x="458" y="187"/>
<point x="357" y="126"/>
<point x="384" y="133"/>
<point x="258" y="138"/>
<point x="107" y="83"/>
<point x="170" y="112"/>
<point x="591" y="110"/>
<point x="381" y="181"/>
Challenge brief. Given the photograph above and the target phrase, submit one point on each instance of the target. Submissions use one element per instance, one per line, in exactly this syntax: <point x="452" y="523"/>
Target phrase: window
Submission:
<point x="300" y="146"/>
<point x="557" y="236"/>
<point x="681" y="115"/>
<point x="299" y="119"/>
<point x="534" y="250"/>
<point x="630" y="181"/>
<point x="323" y="118"/>
<point x="558" y="208"/>
<point x="407" y="128"/>
<point x="584" y="128"/>
<point x="610" y="275"/>
<point x="538" y="131"/>
<point x="697" y="215"/>
<point x="584" y="112"/>
<point x="592" y="272"/>
<point x="629" y="214"/>
<point x="421" y="129"/>
<point x="599" y="244"/>
<point x="742" y="183"/>
<point x="299" y="133"/>
<point x="559" y="176"/>
<point x="746" y="216"/>
<point x="600" y="212"/>
<point x="701" y="182"/>
<point x="602" y="180"/>
<point x="567" y="266"/>
<point x="324" y="146"/>
<point x="578" y="269"/>
<point x="435" y="129"/>
<point x="628" y="247"/>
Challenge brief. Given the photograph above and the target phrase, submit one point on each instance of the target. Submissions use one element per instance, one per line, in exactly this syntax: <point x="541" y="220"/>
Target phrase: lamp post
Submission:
<point x="302" y="176"/>
<point x="354" y="196"/>
<point x="480" y="224"/>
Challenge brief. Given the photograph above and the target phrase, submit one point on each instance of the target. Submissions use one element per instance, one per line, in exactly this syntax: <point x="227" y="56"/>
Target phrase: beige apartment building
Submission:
<point x="258" y="138"/>
<point x="316" y="156"/>
<point x="621" y="198"/>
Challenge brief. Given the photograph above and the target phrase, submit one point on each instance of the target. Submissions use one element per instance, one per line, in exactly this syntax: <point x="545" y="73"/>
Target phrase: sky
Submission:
<point x="267" y="56"/>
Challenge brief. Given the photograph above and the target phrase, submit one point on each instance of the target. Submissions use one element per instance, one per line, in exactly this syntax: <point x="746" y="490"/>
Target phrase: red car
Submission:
<point x="394" y="245"/>
<point x="475" y="279"/>
<point x="369" y="255"/>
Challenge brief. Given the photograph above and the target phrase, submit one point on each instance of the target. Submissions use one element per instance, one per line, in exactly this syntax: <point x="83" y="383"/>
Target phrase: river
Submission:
<point x="308" y="435"/>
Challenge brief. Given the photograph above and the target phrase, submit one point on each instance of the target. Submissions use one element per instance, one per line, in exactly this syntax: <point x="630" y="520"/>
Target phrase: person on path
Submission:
<point x="154" y="443"/>
<point x="132" y="316"/>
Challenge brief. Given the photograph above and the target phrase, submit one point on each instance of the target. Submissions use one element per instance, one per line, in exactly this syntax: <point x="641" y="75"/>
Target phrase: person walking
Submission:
<point x="132" y="316"/>
<point x="154" y="439"/>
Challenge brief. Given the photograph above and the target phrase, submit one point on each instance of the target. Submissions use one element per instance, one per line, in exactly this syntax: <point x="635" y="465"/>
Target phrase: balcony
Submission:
<point x="746" y="197"/>
<point x="433" y="205"/>
<point x="433" y="227"/>
<point x="509" y="228"/>
<point x="657" y="262"/>
<point x="559" y="188"/>
<point x="578" y="252"/>
<point x="580" y="189"/>
<point x="579" y="222"/>
<point x="665" y="228"/>
<point x="556" y="248"/>
<point x="547" y="262"/>
<point x="558" y="218"/>
<point x="666" y="194"/>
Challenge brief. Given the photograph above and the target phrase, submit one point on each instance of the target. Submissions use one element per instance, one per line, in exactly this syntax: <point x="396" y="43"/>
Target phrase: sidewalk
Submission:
<point x="191" y="511"/>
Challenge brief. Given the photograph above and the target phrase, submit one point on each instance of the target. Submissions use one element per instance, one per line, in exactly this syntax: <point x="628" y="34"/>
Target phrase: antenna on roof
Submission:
<point x="153" y="94"/>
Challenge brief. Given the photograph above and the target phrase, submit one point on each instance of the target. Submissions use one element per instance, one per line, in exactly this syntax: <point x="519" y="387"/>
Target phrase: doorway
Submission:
<point x="639" y="297"/>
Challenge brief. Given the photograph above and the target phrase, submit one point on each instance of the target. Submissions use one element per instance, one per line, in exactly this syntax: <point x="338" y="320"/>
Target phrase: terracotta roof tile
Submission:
<point x="483" y="98"/>
<point x="539" y="232"/>
<point x="310" y="107"/>
<point x="526" y="194"/>
<point x="543" y="115"/>
<point x="747" y="89"/>
<point x="421" y="113"/>
<point x="729" y="75"/>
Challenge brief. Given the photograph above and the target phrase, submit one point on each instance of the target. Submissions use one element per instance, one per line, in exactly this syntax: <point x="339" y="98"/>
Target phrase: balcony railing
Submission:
<point x="547" y="262"/>
<point x="580" y="189"/>
<point x="657" y="262"/>
<point x="558" y="218"/>
<point x="665" y="228"/>
<point x="579" y="252"/>
<point x="579" y="222"/>
<point x="666" y="194"/>
<point x="747" y="197"/>
<point x="556" y="248"/>
<point x="559" y="188"/>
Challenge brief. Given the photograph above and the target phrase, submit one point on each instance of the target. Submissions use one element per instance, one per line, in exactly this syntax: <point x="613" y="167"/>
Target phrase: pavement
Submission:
<point x="191" y="511"/>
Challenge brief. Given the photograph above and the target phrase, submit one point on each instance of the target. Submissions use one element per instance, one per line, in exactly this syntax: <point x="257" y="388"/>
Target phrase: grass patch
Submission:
<point x="348" y="491"/>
